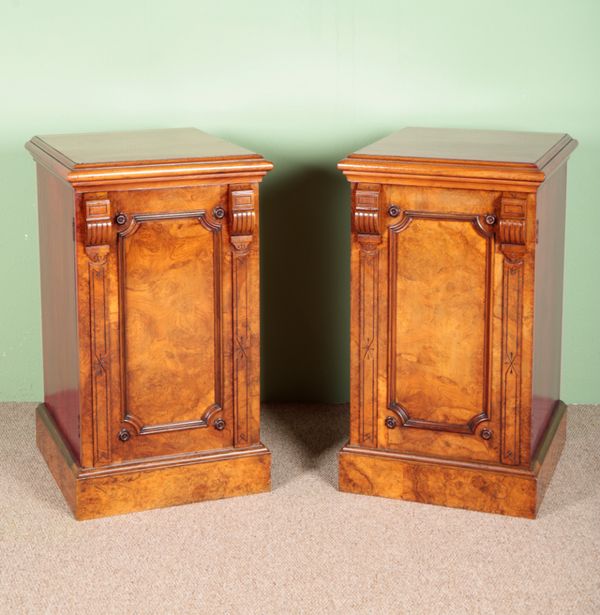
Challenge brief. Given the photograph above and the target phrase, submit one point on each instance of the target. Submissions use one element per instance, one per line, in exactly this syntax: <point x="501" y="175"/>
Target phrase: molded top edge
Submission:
<point x="138" y="148"/>
<point x="493" y="153"/>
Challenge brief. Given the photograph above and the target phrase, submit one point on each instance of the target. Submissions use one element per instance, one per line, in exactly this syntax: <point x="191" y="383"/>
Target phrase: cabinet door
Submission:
<point x="162" y="314"/>
<point x="427" y="314"/>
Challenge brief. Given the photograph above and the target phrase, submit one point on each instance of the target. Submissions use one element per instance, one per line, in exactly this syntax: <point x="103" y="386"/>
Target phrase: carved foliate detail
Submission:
<point x="512" y="239"/>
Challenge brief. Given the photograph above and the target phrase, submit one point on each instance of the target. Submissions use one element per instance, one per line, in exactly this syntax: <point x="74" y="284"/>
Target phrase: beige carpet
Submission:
<point x="304" y="548"/>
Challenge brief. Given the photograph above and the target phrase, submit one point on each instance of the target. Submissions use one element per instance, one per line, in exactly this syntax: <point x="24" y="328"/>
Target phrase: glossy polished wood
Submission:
<point x="159" y="358"/>
<point x="488" y="488"/>
<point x="447" y="283"/>
<point x="155" y="483"/>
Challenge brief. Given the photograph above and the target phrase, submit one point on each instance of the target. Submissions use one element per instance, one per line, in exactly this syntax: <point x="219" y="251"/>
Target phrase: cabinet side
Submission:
<point x="549" y="266"/>
<point x="59" y="304"/>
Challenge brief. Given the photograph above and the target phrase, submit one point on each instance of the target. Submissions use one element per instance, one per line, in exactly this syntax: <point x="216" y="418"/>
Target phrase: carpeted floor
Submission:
<point x="304" y="548"/>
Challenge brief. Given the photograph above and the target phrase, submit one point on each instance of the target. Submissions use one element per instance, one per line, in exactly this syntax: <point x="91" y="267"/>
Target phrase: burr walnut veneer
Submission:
<point x="457" y="265"/>
<point x="149" y="266"/>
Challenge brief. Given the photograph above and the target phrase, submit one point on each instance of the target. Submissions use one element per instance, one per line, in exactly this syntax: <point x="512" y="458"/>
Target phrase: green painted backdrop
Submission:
<point x="303" y="83"/>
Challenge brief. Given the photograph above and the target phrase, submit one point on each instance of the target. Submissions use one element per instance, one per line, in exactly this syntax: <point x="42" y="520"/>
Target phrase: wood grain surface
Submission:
<point x="152" y="340"/>
<point x="453" y="263"/>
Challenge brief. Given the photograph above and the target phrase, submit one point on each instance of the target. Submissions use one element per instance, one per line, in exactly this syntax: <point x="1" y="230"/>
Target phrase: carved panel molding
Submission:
<point x="482" y="224"/>
<point x="128" y="230"/>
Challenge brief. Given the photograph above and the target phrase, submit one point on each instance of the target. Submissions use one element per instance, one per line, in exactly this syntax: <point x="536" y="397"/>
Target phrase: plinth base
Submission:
<point x="150" y="483"/>
<point x="484" y="487"/>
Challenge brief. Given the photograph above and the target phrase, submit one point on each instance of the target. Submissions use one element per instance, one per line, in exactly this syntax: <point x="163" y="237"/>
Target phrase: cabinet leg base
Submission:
<point x="484" y="487"/>
<point x="150" y="483"/>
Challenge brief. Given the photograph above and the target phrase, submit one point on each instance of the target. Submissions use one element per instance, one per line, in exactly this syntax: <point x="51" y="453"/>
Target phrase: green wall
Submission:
<point x="303" y="83"/>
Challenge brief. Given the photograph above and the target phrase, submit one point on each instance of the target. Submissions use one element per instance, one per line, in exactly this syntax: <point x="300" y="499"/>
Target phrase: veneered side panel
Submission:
<point x="549" y="266"/>
<point x="59" y="304"/>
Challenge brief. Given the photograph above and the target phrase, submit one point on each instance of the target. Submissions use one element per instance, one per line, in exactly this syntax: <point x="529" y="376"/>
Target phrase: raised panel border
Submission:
<point x="133" y="223"/>
<point x="483" y="225"/>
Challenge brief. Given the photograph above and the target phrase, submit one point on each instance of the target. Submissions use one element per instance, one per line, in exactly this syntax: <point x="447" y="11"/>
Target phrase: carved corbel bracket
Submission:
<point x="366" y="222"/>
<point x="242" y="217"/>
<point x="98" y="222"/>
<point x="512" y="226"/>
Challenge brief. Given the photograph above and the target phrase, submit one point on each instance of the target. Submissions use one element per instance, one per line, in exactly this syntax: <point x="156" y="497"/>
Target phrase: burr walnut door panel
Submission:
<point x="441" y="274"/>
<point x="430" y="293"/>
<point x="173" y="386"/>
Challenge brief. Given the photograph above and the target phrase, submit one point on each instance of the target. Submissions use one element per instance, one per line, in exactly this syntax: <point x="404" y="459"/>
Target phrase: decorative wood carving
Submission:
<point x="482" y="225"/>
<point x="366" y="225"/>
<point x="242" y="217"/>
<point x="472" y="298"/>
<point x="512" y="235"/>
<point x="153" y="231"/>
<point x="134" y="223"/>
<point x="242" y="221"/>
<point x="97" y="247"/>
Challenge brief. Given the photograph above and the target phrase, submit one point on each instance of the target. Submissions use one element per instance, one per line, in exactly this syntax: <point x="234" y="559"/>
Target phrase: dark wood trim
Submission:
<point x="485" y="230"/>
<point x="214" y="227"/>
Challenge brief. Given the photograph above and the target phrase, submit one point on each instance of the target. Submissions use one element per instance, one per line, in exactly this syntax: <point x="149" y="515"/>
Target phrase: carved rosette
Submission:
<point x="366" y="225"/>
<point x="242" y="222"/>
<point x="512" y="239"/>
<point x="98" y="222"/>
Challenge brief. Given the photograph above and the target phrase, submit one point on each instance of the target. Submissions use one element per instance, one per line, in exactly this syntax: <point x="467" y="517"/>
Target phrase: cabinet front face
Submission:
<point x="161" y="306"/>
<point x="427" y="306"/>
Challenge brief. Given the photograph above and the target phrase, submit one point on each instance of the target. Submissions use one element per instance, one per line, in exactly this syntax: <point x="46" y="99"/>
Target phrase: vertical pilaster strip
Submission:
<point x="242" y="218"/>
<point x="366" y="226"/>
<point x="98" y="228"/>
<point x="512" y="238"/>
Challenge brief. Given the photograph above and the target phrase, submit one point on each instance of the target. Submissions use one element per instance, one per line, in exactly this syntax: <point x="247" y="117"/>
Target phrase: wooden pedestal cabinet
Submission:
<point x="149" y="266"/>
<point x="457" y="267"/>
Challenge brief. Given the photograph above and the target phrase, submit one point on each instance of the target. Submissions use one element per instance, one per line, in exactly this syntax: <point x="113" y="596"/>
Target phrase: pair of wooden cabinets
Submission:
<point x="149" y="263"/>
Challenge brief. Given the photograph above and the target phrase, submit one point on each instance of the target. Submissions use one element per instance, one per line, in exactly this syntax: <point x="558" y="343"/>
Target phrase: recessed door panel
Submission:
<point x="440" y="285"/>
<point x="171" y="333"/>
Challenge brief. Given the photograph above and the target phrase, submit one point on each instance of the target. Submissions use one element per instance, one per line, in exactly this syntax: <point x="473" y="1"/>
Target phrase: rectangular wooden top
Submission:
<point x="105" y="156"/>
<point x="530" y="148"/>
<point x="482" y="156"/>
<point x="140" y="147"/>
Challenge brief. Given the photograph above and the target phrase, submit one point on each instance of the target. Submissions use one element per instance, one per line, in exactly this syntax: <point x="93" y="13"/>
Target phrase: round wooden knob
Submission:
<point x="219" y="213"/>
<point x="390" y="422"/>
<point x="219" y="424"/>
<point x="486" y="434"/>
<point x="121" y="219"/>
<point x="124" y="435"/>
<point x="490" y="219"/>
<point x="394" y="211"/>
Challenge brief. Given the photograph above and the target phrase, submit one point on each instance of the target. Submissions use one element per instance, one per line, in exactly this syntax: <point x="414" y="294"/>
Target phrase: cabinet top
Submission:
<point x="483" y="154"/>
<point x="142" y="153"/>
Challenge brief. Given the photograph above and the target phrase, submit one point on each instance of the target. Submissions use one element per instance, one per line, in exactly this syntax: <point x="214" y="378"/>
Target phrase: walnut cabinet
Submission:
<point x="149" y="267"/>
<point x="456" y="305"/>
